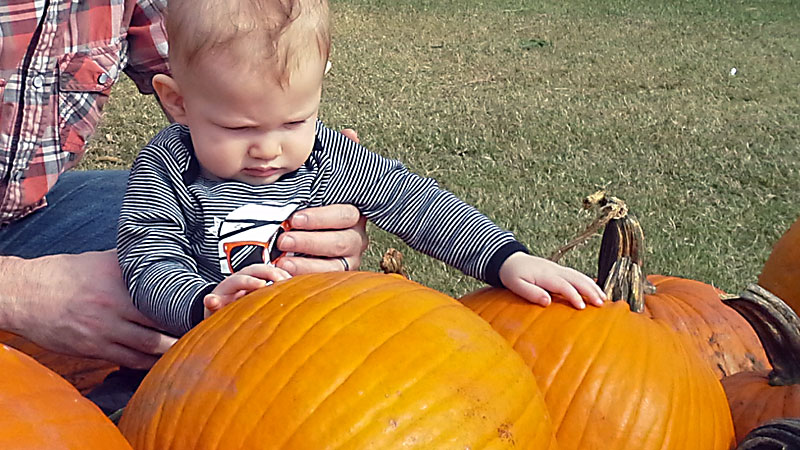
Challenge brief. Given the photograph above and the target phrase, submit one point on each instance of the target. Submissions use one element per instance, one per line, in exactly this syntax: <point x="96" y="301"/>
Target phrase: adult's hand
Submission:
<point x="78" y="305"/>
<point x="351" y="134"/>
<point x="331" y="232"/>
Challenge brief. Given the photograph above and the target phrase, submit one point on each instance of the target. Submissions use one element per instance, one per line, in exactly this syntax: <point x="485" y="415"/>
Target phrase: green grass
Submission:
<point x="524" y="107"/>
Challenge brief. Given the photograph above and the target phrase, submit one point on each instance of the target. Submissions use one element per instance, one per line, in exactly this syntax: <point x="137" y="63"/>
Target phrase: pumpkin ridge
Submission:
<point x="441" y="403"/>
<point x="278" y="321"/>
<point x="762" y="403"/>
<point x="187" y="348"/>
<point x="226" y="326"/>
<point x="376" y="411"/>
<point x="482" y="373"/>
<point x="487" y="372"/>
<point x="484" y="306"/>
<point x="606" y="376"/>
<point x="674" y="392"/>
<point x="649" y="436"/>
<point x="512" y="340"/>
<point x="592" y="358"/>
<point x="643" y="356"/>
<point x="248" y="433"/>
<point x="531" y="330"/>
<point x="360" y="364"/>
<point x="693" y="404"/>
<point x="193" y="339"/>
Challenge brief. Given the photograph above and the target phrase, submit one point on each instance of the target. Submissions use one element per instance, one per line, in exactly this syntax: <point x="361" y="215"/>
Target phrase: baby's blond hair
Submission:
<point x="272" y="35"/>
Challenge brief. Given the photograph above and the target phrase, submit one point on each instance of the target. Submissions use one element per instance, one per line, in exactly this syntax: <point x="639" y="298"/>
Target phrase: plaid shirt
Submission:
<point x="58" y="62"/>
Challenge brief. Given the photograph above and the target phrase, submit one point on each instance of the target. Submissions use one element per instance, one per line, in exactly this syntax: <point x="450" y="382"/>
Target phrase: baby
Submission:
<point x="208" y="196"/>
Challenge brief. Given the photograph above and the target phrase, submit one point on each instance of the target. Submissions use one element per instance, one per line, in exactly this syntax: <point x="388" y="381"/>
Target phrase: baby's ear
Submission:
<point x="170" y="98"/>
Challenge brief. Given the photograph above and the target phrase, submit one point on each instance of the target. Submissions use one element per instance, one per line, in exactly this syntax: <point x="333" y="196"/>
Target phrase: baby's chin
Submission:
<point x="258" y="180"/>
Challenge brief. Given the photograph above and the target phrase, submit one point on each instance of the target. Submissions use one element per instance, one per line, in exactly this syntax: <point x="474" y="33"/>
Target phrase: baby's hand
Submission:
<point x="242" y="282"/>
<point x="532" y="277"/>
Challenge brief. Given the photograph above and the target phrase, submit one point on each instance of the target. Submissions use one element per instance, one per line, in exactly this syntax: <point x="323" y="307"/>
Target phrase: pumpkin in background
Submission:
<point x="40" y="410"/>
<point x="781" y="273"/>
<point x="83" y="373"/>
<point x="340" y="360"/>
<point x="759" y="396"/>
<point x="612" y="378"/>
<point x="692" y="308"/>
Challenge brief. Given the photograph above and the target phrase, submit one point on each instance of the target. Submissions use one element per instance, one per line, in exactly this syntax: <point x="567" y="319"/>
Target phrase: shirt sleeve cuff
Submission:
<point x="196" y="311"/>
<point x="492" y="272"/>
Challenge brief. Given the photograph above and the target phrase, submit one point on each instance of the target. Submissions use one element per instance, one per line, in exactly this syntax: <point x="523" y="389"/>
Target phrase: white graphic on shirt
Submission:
<point x="249" y="233"/>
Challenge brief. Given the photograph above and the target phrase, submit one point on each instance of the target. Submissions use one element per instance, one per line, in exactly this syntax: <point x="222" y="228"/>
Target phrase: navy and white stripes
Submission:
<point x="169" y="252"/>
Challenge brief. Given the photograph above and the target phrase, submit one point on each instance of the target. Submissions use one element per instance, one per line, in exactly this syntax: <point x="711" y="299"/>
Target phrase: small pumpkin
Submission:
<point x="40" y="410"/>
<point x="340" y="360"/>
<point x="83" y="373"/>
<point x="778" y="434"/>
<point x="756" y="397"/>
<point x="781" y="272"/>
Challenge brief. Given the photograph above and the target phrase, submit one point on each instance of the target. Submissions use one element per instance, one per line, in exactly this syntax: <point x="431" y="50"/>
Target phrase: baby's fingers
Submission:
<point x="266" y="272"/>
<point x="529" y="291"/>
<point x="558" y="285"/>
<point x="585" y="287"/>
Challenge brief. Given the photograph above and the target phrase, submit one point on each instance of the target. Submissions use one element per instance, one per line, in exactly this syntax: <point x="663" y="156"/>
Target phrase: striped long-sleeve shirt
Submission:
<point x="177" y="228"/>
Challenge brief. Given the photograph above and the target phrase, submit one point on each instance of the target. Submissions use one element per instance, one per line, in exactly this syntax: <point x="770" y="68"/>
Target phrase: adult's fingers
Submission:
<point x="349" y="243"/>
<point x="143" y="339"/>
<point x="330" y="217"/>
<point x="297" y="265"/>
<point x="127" y="357"/>
<point x="351" y="134"/>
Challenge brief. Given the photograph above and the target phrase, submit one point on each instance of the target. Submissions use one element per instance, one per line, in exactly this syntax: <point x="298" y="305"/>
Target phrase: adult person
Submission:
<point x="60" y="284"/>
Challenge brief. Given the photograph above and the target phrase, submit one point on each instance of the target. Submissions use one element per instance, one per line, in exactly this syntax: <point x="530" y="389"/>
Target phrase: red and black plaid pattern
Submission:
<point x="58" y="62"/>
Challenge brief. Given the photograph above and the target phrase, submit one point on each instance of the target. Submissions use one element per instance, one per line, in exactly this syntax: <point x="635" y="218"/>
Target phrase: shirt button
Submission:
<point x="103" y="78"/>
<point x="38" y="81"/>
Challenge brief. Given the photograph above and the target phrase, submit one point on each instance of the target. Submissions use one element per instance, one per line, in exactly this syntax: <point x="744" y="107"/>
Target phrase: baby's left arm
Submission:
<point x="532" y="278"/>
<point x="241" y="283"/>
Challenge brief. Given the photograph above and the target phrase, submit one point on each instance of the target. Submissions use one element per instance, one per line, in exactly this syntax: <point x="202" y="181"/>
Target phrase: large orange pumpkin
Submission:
<point x="756" y="397"/>
<point x="83" y="373"/>
<point x="40" y="410"/>
<point x="781" y="273"/>
<point x="340" y="360"/>
<point x="692" y="308"/>
<point x="612" y="379"/>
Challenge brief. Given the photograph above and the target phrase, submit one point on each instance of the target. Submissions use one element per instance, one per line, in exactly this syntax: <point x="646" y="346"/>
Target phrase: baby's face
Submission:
<point x="250" y="128"/>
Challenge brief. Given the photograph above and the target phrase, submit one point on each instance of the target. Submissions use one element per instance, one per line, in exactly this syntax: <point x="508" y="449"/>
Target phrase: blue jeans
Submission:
<point x="81" y="216"/>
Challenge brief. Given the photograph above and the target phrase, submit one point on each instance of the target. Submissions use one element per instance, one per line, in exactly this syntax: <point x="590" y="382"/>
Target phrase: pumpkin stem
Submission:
<point x="775" y="434"/>
<point x="392" y="262"/>
<point x="778" y="329"/>
<point x="620" y="265"/>
<point x="624" y="282"/>
<point x="609" y="208"/>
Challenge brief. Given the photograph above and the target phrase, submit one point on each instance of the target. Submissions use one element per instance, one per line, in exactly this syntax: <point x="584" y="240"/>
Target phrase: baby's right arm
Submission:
<point x="534" y="278"/>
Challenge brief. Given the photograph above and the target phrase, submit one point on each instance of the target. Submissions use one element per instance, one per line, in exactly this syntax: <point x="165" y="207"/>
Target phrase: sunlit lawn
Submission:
<point x="524" y="107"/>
